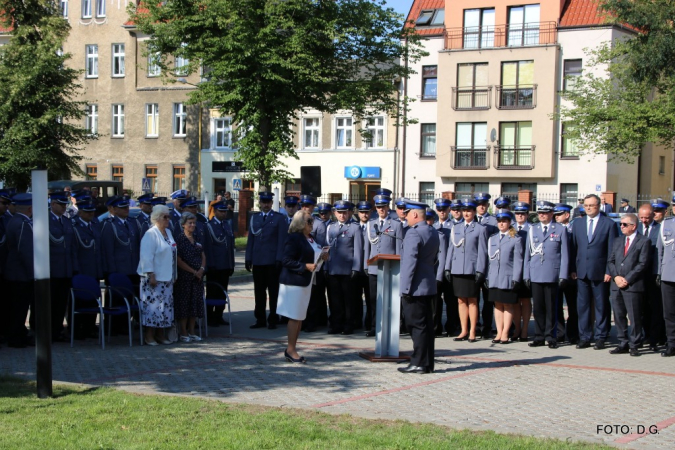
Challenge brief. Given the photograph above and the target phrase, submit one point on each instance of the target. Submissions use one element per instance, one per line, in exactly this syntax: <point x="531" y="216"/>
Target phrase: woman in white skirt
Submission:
<point x="157" y="269"/>
<point x="302" y="257"/>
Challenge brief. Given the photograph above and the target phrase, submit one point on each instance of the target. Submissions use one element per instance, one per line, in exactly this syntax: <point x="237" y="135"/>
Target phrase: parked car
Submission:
<point x="105" y="188"/>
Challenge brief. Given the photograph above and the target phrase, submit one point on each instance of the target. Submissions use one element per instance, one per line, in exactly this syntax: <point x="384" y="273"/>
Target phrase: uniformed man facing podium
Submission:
<point x="418" y="286"/>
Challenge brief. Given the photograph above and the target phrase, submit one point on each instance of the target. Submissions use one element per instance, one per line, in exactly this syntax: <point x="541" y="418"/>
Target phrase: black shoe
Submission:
<point x="257" y="325"/>
<point x="619" y="350"/>
<point x="599" y="345"/>
<point x="496" y="341"/>
<point x="670" y="351"/>
<point x="583" y="344"/>
<point x="414" y="369"/>
<point x="404" y="333"/>
<point x="536" y="344"/>
<point x="272" y="326"/>
<point x="347" y="332"/>
<point x="463" y="338"/>
<point x="574" y="341"/>
<point x="552" y="344"/>
<point x="370" y="333"/>
<point x="290" y="359"/>
<point x="653" y="348"/>
<point x="634" y="352"/>
<point x="472" y="340"/>
<point x="334" y="331"/>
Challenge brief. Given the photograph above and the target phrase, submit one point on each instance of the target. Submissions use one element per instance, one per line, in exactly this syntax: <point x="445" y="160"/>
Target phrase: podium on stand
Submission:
<point x="388" y="310"/>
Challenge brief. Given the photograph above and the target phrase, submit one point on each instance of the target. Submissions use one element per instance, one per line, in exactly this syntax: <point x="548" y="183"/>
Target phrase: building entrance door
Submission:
<point x="362" y="190"/>
<point x="219" y="186"/>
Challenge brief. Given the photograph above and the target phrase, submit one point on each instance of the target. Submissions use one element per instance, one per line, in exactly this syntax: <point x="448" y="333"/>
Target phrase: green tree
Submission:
<point x="38" y="116"/>
<point x="266" y="60"/>
<point x="626" y="96"/>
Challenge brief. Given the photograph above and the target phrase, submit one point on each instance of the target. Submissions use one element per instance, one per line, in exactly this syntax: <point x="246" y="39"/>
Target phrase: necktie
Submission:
<point x="126" y="225"/>
<point x="625" y="249"/>
<point x="381" y="224"/>
<point x="590" y="231"/>
<point x="363" y="228"/>
<point x="647" y="230"/>
<point x="341" y="226"/>
<point x="264" y="217"/>
<point x="545" y="229"/>
<point x="480" y="219"/>
<point x="501" y="236"/>
<point x="520" y="228"/>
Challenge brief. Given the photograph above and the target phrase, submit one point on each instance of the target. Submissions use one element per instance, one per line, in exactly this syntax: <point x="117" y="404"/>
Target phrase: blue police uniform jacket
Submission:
<point x="546" y="255"/>
<point x="121" y="247"/>
<point x="176" y="229"/>
<point x="3" y="247"/>
<point x="385" y="240"/>
<point x="319" y="231"/>
<point x="297" y="253"/>
<point x="219" y="246"/>
<point x="444" y="240"/>
<point x="467" y="249"/>
<point x="88" y="248"/>
<point x="488" y="221"/>
<point x="62" y="250"/>
<point x="664" y="246"/>
<point x="266" y="239"/>
<point x="590" y="258"/>
<point x="19" y="242"/>
<point x="505" y="260"/>
<point x="346" y="248"/>
<point x="418" y="261"/>
<point x="654" y="233"/>
<point x="143" y="223"/>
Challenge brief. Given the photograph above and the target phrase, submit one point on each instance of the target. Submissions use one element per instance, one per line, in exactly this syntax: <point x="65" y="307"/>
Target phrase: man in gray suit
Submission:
<point x="651" y="307"/>
<point x="418" y="286"/>
<point x="666" y="279"/>
<point x="627" y="263"/>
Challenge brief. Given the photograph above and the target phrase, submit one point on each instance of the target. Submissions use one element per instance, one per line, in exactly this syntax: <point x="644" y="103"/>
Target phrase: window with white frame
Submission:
<point x="375" y="127"/>
<point x="118" y="120"/>
<point x="428" y="144"/>
<point x="118" y="60"/>
<point x="100" y="8"/>
<point x="179" y="120"/>
<point x="64" y="8"/>
<point x="312" y="132"/>
<point x="344" y="132"/>
<point x="91" y="123"/>
<point x="181" y="64"/>
<point x="153" y="65"/>
<point x="222" y="132"/>
<point x="151" y="120"/>
<point x="91" y="63"/>
<point x="427" y="189"/>
<point x="86" y="9"/>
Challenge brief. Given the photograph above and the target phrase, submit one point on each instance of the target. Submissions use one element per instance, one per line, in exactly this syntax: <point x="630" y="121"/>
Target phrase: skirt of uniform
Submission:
<point x="524" y="291"/>
<point x="465" y="286"/>
<point x="293" y="301"/>
<point x="503" y="296"/>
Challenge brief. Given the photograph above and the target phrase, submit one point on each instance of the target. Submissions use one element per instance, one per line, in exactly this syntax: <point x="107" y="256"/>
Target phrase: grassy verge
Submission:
<point x="107" y="418"/>
<point x="240" y="243"/>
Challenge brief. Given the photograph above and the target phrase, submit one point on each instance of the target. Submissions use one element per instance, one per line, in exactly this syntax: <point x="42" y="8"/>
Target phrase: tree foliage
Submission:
<point x="38" y="116"/>
<point x="626" y="96"/>
<point x="266" y="60"/>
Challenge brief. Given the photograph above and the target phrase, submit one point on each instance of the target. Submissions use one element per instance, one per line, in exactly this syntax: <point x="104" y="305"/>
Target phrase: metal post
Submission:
<point x="43" y="308"/>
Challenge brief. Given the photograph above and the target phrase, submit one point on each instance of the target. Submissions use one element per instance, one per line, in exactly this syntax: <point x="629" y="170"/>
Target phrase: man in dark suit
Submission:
<point x="627" y="264"/>
<point x="625" y="207"/>
<point x="418" y="286"/>
<point x="605" y="208"/>
<point x="592" y="239"/>
<point x="653" y="326"/>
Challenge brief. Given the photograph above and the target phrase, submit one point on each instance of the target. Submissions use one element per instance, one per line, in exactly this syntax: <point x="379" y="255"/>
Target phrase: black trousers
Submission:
<point x="317" y="311"/>
<point x="265" y="279"/>
<point x="627" y="303"/>
<point x="361" y="292"/>
<point x="372" y="281"/>
<point x="546" y="309"/>
<point x="651" y="308"/>
<point x="572" y="326"/>
<point x="420" y="323"/>
<point x="668" y="295"/>
<point x="487" y="312"/>
<point x="5" y="311"/>
<point x="222" y="278"/>
<point x="21" y="298"/>
<point x="59" y="290"/>
<point x="341" y="302"/>
<point x="445" y="295"/>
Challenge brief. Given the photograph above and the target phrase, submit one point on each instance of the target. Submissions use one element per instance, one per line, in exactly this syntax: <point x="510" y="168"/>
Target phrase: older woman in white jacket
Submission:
<point x="157" y="268"/>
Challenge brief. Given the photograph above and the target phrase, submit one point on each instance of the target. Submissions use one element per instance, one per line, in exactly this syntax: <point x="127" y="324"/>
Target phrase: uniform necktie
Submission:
<point x="126" y="225"/>
<point x="545" y="229"/>
<point x="381" y="224"/>
<point x="520" y="228"/>
<point x="264" y="217"/>
<point x="590" y="231"/>
<point x="340" y="226"/>
<point x="625" y="249"/>
<point x="480" y="219"/>
<point x="647" y="230"/>
<point x="363" y="228"/>
<point x="501" y="236"/>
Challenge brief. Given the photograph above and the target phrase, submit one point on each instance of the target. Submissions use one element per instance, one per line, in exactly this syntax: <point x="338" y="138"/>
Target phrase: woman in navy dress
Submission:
<point x="189" y="289"/>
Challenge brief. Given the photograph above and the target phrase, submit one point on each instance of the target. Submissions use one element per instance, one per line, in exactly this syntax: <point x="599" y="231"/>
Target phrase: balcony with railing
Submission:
<point x="516" y="97"/>
<point x="470" y="158"/>
<point x="508" y="157"/>
<point x="471" y="98"/>
<point x="494" y="36"/>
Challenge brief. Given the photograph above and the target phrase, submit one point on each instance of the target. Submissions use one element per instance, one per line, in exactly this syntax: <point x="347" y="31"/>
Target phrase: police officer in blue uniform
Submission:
<point x="418" y="286"/>
<point x="654" y="331"/>
<point x="5" y="201"/>
<point x="522" y="310"/>
<point x="291" y="207"/>
<point x="383" y="236"/>
<point x="343" y="267"/>
<point x="562" y="213"/>
<point x="219" y="251"/>
<point x="546" y="269"/>
<point x="62" y="260"/>
<point x="19" y="270"/>
<point x="483" y="217"/>
<point x="445" y="294"/>
<point x="400" y="204"/>
<point x="502" y="203"/>
<point x="456" y="211"/>
<point x="177" y="197"/>
<point x="317" y="311"/>
<point x="465" y="267"/>
<point x="307" y="203"/>
<point x="267" y="233"/>
<point x="362" y="284"/>
<point x="143" y="218"/>
<point x="665" y="279"/>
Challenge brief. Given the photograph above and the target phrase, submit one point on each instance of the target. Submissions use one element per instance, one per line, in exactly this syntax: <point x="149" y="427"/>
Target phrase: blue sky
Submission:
<point x="401" y="6"/>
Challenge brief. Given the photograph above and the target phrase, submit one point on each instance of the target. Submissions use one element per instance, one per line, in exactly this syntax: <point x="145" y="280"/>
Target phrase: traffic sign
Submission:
<point x="145" y="185"/>
<point x="236" y="184"/>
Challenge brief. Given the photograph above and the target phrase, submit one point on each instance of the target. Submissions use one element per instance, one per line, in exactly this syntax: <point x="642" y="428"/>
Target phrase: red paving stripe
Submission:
<point x="635" y="436"/>
<point x="402" y="388"/>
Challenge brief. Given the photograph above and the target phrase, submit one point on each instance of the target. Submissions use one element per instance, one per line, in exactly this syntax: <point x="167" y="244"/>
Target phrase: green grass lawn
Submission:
<point x="84" y="418"/>
<point x="240" y="243"/>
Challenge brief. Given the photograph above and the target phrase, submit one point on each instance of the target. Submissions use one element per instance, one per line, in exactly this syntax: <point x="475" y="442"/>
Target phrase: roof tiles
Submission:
<point x="423" y="5"/>
<point x="582" y="13"/>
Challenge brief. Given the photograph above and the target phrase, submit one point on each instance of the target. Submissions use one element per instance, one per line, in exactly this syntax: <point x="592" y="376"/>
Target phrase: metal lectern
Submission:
<point x="388" y="310"/>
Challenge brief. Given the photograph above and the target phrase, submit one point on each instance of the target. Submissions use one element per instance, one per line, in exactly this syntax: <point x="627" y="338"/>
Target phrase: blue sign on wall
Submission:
<point x="356" y="172"/>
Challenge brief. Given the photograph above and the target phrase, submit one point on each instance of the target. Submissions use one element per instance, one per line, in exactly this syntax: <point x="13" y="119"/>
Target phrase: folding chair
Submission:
<point x="120" y="284"/>
<point x="221" y="301"/>
<point x="85" y="297"/>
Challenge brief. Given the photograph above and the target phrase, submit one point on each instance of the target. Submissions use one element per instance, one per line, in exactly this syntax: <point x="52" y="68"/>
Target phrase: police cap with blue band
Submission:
<point x="190" y="201"/>
<point x="180" y="194"/>
<point x="61" y="197"/>
<point x="502" y="202"/>
<point x="561" y="208"/>
<point x="659" y="203"/>
<point x="324" y="207"/>
<point x="520" y="207"/>
<point x="6" y="194"/>
<point x="158" y="201"/>
<point x="291" y="200"/>
<point x="220" y="206"/>
<point x="442" y="203"/>
<point x="381" y="200"/>
<point x="364" y="206"/>
<point x="307" y="200"/>
<point x="468" y="204"/>
<point x="430" y="214"/>
<point x="146" y="198"/>
<point x="456" y="204"/>
<point x="86" y="206"/>
<point x="266" y="196"/>
<point x="22" y="199"/>
<point x="118" y="202"/>
<point x="81" y="194"/>
<point x="504" y="214"/>
<point x="343" y="205"/>
<point x="482" y="197"/>
<point x="383" y="191"/>
<point x="544" y="206"/>
<point x="401" y="202"/>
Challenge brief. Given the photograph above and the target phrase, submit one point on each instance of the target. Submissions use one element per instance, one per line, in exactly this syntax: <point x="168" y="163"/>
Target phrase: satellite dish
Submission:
<point x="493" y="135"/>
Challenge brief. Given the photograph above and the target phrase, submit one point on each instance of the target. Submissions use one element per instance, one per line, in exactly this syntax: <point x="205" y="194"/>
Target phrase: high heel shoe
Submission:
<point x="473" y="340"/>
<point x="461" y="338"/>
<point x="496" y="341"/>
<point x="290" y="359"/>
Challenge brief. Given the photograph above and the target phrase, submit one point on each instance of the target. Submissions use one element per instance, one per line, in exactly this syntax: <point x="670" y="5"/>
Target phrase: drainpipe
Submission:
<point x="398" y="127"/>
<point x="405" y="120"/>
